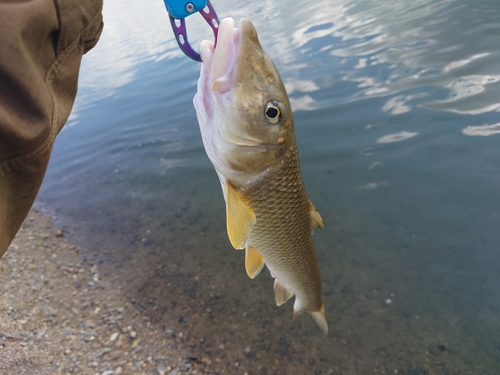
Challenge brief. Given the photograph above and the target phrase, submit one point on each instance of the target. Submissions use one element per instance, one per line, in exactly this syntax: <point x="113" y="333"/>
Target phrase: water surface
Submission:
<point x="397" y="114"/>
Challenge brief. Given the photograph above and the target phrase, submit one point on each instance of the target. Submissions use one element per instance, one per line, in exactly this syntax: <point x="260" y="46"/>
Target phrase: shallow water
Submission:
<point x="396" y="107"/>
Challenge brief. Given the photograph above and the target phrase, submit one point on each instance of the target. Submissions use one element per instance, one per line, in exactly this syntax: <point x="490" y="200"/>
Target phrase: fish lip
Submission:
<point x="241" y="142"/>
<point x="258" y="148"/>
<point x="249" y="143"/>
<point x="221" y="60"/>
<point x="244" y="25"/>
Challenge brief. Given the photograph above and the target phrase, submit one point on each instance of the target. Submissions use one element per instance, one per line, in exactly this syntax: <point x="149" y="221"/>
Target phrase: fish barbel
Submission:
<point x="247" y="129"/>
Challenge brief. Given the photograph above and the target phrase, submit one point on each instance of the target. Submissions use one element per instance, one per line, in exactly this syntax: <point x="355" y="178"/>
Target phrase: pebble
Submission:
<point x="135" y="343"/>
<point x="91" y="330"/>
<point x="40" y="333"/>
<point x="388" y="301"/>
<point x="104" y="351"/>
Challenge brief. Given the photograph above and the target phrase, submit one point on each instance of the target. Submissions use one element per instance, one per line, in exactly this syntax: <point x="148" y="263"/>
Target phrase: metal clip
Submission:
<point x="177" y="16"/>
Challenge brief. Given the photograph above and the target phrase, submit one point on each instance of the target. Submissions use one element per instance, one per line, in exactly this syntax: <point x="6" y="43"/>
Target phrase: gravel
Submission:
<point x="58" y="315"/>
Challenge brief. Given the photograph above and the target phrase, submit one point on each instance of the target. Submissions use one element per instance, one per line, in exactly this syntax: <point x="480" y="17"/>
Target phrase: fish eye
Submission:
<point x="275" y="111"/>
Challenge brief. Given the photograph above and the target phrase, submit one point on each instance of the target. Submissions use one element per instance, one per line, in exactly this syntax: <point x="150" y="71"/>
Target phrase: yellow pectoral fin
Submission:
<point x="316" y="219"/>
<point x="240" y="218"/>
<point x="281" y="293"/>
<point x="253" y="262"/>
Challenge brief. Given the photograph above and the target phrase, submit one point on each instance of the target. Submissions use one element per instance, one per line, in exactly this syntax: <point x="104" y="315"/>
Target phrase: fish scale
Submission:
<point x="282" y="231"/>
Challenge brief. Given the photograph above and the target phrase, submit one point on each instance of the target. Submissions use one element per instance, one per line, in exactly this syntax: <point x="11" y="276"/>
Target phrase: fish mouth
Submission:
<point x="219" y="76"/>
<point x="246" y="144"/>
<point x="221" y="60"/>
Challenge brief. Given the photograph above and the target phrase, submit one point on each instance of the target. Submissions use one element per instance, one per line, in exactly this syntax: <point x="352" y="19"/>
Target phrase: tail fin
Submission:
<point x="319" y="318"/>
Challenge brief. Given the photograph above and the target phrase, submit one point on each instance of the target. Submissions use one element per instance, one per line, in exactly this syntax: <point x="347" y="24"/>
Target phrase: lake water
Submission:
<point x="397" y="115"/>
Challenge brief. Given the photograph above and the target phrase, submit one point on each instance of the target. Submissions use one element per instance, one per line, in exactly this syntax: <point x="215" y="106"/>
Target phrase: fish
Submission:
<point x="247" y="130"/>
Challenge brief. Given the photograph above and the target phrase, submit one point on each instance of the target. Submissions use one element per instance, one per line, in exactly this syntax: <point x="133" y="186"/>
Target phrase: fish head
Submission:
<point x="242" y="105"/>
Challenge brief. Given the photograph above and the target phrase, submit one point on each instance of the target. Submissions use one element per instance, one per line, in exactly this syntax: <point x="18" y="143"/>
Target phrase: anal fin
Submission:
<point x="240" y="218"/>
<point x="253" y="262"/>
<point x="281" y="293"/>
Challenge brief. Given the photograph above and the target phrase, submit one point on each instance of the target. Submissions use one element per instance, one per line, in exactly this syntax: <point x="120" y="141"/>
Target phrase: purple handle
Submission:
<point x="180" y="31"/>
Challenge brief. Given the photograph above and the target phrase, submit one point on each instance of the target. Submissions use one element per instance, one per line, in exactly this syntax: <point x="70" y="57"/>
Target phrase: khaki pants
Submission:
<point x="41" y="46"/>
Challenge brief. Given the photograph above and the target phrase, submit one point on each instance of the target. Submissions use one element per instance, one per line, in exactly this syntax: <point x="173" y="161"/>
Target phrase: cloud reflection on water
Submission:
<point x="386" y="47"/>
<point x="483" y="130"/>
<point x="134" y="32"/>
<point x="396" y="137"/>
<point x="417" y="52"/>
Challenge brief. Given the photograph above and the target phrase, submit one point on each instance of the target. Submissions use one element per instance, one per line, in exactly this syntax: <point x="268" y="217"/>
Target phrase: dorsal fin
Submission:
<point x="281" y="293"/>
<point x="239" y="217"/>
<point x="316" y="219"/>
<point x="253" y="262"/>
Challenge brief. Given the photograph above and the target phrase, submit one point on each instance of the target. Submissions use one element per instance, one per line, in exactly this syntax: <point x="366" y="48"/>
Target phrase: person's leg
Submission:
<point x="41" y="46"/>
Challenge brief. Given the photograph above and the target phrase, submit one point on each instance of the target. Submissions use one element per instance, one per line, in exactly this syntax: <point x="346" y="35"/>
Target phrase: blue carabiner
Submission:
<point x="182" y="9"/>
<point x="179" y="10"/>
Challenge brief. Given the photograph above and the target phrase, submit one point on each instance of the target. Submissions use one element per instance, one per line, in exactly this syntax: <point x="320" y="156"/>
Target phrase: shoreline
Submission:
<point x="62" y="316"/>
<point x="65" y="310"/>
